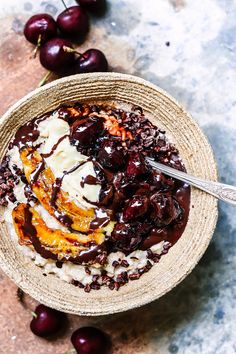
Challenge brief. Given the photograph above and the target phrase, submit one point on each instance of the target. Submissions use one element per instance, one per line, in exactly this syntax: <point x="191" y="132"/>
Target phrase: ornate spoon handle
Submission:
<point x="221" y="191"/>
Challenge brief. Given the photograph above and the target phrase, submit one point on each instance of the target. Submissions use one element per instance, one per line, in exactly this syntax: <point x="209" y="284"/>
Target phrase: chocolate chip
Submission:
<point x="134" y="276"/>
<point x="87" y="288"/>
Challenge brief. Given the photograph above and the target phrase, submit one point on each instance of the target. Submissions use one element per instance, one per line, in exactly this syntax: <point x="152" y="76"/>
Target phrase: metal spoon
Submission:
<point x="221" y="191"/>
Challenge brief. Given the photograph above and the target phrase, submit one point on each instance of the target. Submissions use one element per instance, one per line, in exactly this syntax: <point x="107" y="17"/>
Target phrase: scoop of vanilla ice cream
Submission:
<point x="64" y="158"/>
<point x="51" y="130"/>
<point x="72" y="184"/>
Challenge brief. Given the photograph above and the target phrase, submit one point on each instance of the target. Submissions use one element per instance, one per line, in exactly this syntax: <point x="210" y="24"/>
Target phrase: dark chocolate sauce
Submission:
<point x="101" y="219"/>
<point x="63" y="218"/>
<point x="84" y="256"/>
<point x="55" y="190"/>
<point x="58" y="182"/>
<point x="89" y="254"/>
<point x="173" y="232"/>
<point x="36" y="173"/>
<point x="54" y="146"/>
<point x="28" y="133"/>
<point x="30" y="231"/>
<point x="89" y="180"/>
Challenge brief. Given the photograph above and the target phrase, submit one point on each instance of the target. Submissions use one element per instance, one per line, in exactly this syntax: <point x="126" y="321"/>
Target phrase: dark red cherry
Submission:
<point x="92" y="5"/>
<point x="136" y="207"/>
<point x="85" y="131"/>
<point x="91" y="340"/>
<point x="125" y="238"/>
<point x="111" y="156"/>
<point x="40" y="25"/>
<point x="124" y="185"/>
<point x="54" y="58"/>
<point x="156" y="235"/>
<point x="74" y="22"/>
<point x="93" y="60"/>
<point x="136" y="165"/>
<point x="165" y="209"/>
<point x="47" y="322"/>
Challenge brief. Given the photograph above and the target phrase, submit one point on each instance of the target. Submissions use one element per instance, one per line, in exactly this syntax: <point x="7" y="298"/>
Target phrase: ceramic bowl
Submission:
<point x="197" y="155"/>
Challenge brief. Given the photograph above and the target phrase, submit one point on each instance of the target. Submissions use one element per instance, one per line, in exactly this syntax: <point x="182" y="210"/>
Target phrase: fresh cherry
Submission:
<point x="136" y="207"/>
<point x="92" y="5"/>
<point x="73" y="21"/>
<point x="91" y="340"/>
<point x="85" y="131"/>
<point x="47" y="322"/>
<point x="93" y="60"/>
<point x="40" y="28"/>
<point x="165" y="209"/>
<point x="53" y="56"/>
<point x="110" y="156"/>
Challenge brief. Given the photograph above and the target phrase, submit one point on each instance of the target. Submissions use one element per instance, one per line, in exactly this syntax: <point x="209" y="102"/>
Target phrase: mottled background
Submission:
<point x="187" y="47"/>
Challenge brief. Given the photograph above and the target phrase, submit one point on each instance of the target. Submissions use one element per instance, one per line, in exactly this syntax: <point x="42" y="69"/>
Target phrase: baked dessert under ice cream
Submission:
<point x="81" y="201"/>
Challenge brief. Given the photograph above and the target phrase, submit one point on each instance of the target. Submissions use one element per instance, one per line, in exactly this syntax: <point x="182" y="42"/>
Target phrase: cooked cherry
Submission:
<point x="92" y="5"/>
<point x="160" y="181"/>
<point x="48" y="322"/>
<point x="111" y="156"/>
<point x="93" y="60"/>
<point x="117" y="200"/>
<point x="136" y="165"/>
<point x="73" y="21"/>
<point x="106" y="195"/>
<point x="165" y="209"/>
<point x="41" y="28"/>
<point x="125" y="238"/>
<point x="91" y="340"/>
<point x="85" y="131"/>
<point x="53" y="56"/>
<point x="125" y="185"/>
<point x="156" y="236"/>
<point x="136" y="207"/>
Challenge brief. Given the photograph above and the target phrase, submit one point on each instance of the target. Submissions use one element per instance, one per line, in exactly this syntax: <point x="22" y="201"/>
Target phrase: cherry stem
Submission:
<point x="38" y="45"/>
<point x="34" y="314"/>
<point x="72" y="50"/>
<point x="45" y="79"/>
<point x="63" y="2"/>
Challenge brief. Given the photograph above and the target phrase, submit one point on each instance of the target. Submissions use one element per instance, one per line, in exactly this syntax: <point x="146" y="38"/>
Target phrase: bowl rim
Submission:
<point x="23" y="283"/>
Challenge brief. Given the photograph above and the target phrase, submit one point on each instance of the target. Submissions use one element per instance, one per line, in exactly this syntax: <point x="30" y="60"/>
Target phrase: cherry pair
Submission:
<point x="86" y="340"/>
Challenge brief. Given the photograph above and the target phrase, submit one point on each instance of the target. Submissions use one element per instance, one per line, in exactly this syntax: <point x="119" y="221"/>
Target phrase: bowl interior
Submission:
<point x="197" y="155"/>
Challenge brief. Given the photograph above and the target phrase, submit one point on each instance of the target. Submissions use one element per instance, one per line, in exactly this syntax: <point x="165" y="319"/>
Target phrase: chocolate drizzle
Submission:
<point x="54" y="147"/>
<point x="58" y="182"/>
<point x="30" y="231"/>
<point x="89" y="180"/>
<point x="102" y="219"/>
<point x="36" y="173"/>
<point x="55" y="190"/>
<point x="84" y="256"/>
<point x="28" y="133"/>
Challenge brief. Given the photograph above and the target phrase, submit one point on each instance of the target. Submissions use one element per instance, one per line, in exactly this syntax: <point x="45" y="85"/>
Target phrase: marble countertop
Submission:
<point x="188" y="48"/>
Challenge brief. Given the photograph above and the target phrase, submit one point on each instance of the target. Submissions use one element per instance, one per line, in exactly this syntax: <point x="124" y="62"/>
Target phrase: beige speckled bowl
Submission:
<point x="197" y="155"/>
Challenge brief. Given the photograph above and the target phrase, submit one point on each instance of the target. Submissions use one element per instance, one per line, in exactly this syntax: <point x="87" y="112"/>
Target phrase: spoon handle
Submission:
<point x="221" y="191"/>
